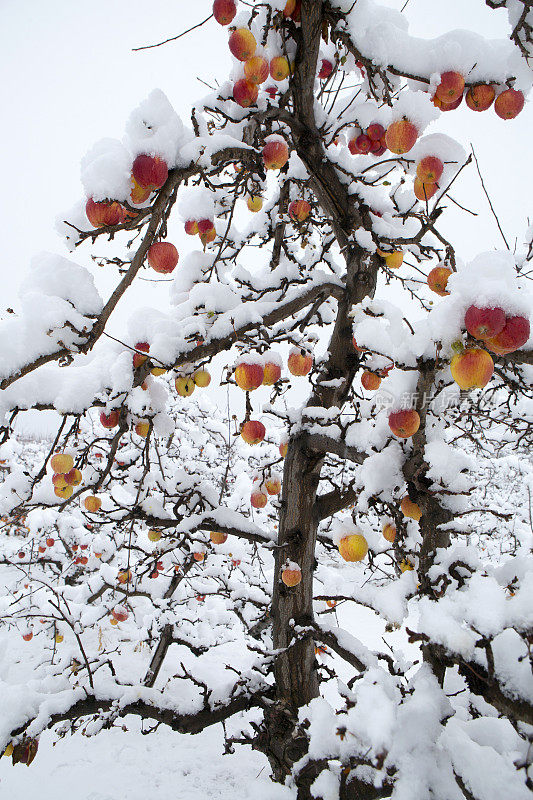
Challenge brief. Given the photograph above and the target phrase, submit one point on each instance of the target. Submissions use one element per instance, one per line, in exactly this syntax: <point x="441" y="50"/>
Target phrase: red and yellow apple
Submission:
<point x="275" y="153"/>
<point x="253" y="431"/>
<point x="404" y="423"/>
<point x="279" y="68"/>
<point x="353" y="547"/>
<point x="514" y="334"/>
<point x="242" y="44"/>
<point x="299" y="210"/>
<point x="102" y="214"/>
<point x="249" y="376"/>
<point x="254" y="203"/>
<point x="142" y="428"/>
<point x="370" y="381"/>
<point x="272" y="372"/>
<point x="429" y="169"/>
<point x="61" y="462"/>
<point x="245" y="93"/>
<point x="472" y="369"/>
<point x="300" y="362"/>
<point x="291" y="575"/>
<point x="410" y="509"/>
<point x="401" y="136"/>
<point x="438" y="280"/>
<point x="256" y="69"/>
<point x="258" y="499"/>
<point x="218" y="537"/>
<point x="92" y="503"/>
<point x="424" y="191"/>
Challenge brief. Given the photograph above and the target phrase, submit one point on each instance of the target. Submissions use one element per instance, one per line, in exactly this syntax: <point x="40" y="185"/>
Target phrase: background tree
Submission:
<point x="134" y="565"/>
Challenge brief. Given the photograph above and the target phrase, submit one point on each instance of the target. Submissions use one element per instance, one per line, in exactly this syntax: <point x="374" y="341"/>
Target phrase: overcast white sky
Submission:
<point x="70" y="78"/>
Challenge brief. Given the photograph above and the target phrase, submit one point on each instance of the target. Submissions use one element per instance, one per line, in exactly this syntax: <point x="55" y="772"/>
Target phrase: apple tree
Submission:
<point x="196" y="554"/>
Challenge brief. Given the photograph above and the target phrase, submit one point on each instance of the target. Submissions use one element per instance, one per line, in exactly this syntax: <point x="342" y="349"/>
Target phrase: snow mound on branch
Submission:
<point x="56" y="295"/>
<point x="155" y="128"/>
<point x="381" y="34"/>
<point x="106" y="171"/>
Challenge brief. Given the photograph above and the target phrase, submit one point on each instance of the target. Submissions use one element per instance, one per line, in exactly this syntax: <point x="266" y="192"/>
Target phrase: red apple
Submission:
<point x="249" y="376"/>
<point x="102" y="214"/>
<point x="58" y="479"/>
<point x="258" y="499"/>
<point x="447" y="106"/>
<point x="370" y="381"/>
<point x="224" y="11"/>
<point x="472" y="369"/>
<point x="191" y="227"/>
<point x="438" y="280"/>
<point x="253" y="431"/>
<point x="509" y="104"/>
<point x="163" y="257"/>
<point x="299" y="362"/>
<point x="245" y="93"/>
<point x="208" y="237"/>
<point x="27" y="636"/>
<point x="120" y="613"/>
<point x="299" y="210"/>
<point x="401" y="136"/>
<point x="291" y="575"/>
<point x="275" y="152"/>
<point x="326" y="68"/>
<point x="242" y="44"/>
<point x="451" y="87"/>
<point x="375" y="131"/>
<point x="218" y="537"/>
<point x="404" y="423"/>
<point x="484" y="323"/>
<point x="515" y="333"/>
<point x="73" y="477"/>
<point x="109" y="420"/>
<point x="150" y="172"/>
<point x="480" y="97"/>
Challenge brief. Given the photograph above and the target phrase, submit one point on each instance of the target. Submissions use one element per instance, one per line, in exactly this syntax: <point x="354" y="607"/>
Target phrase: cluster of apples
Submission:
<point x="65" y="476"/>
<point x="265" y="489"/>
<point x="256" y="68"/>
<point x="479" y="97"/>
<point x="372" y="140"/>
<point x="49" y="542"/>
<point x="472" y="367"/>
<point x="148" y="174"/>
<point x="205" y="228"/>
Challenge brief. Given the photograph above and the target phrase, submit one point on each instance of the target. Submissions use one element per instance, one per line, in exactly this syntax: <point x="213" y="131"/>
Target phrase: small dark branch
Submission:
<point x="173" y="38"/>
<point x="488" y="198"/>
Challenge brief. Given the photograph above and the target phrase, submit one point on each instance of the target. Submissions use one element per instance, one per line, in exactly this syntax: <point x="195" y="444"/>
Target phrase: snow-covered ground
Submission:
<point x="116" y="765"/>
